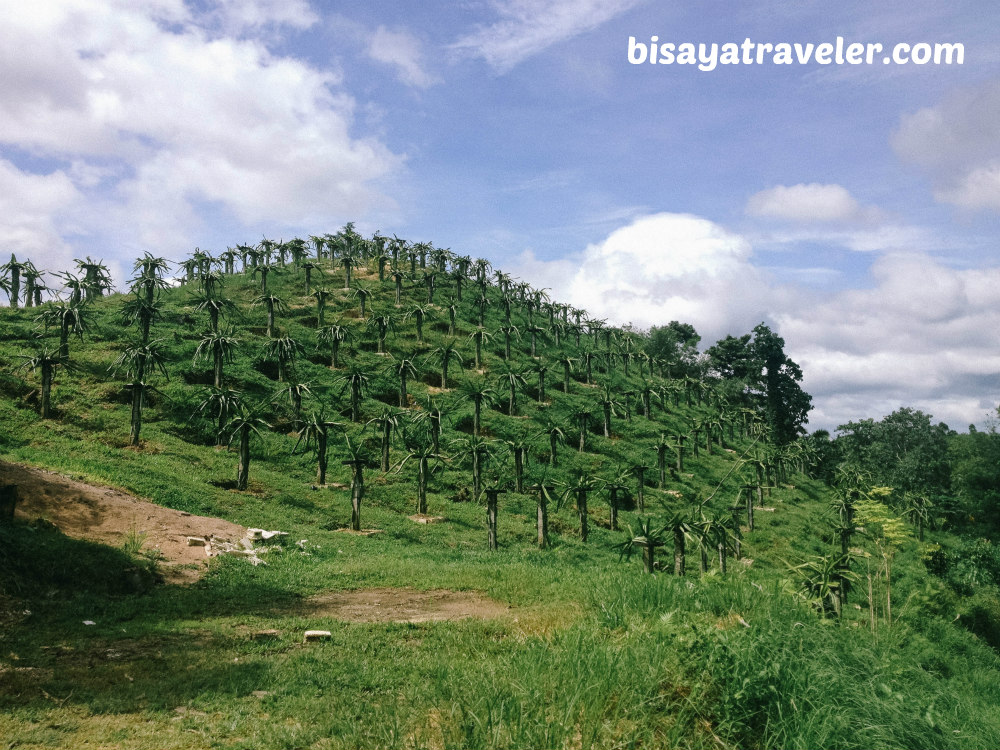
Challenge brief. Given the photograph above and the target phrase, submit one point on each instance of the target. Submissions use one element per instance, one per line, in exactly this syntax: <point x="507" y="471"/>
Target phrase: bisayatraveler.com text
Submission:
<point x="708" y="57"/>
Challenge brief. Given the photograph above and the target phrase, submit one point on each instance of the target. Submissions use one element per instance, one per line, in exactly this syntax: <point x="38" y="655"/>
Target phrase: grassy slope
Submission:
<point x="598" y="654"/>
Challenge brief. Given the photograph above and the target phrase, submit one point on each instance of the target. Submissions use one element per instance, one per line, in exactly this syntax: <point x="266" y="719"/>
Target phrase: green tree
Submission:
<point x="903" y="450"/>
<point x="222" y="402"/>
<point x="284" y="351"/>
<point x="478" y="391"/>
<point x="45" y="360"/>
<point x="444" y="354"/>
<point x="334" y="336"/>
<point x="242" y="425"/>
<point x="786" y="405"/>
<point x="220" y="348"/>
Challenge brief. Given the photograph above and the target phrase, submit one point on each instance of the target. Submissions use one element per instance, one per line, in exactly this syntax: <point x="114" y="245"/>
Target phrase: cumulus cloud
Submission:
<point x="814" y="202"/>
<point x="158" y="115"/>
<point x="790" y="215"/>
<point x="403" y="51"/>
<point x="660" y="268"/>
<point x="958" y="143"/>
<point x="527" y="27"/>
<point x="30" y="207"/>
<point x="921" y="335"/>
<point x="242" y="15"/>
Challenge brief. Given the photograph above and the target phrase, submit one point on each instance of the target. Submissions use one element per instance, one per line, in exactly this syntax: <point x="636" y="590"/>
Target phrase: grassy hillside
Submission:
<point x="594" y="651"/>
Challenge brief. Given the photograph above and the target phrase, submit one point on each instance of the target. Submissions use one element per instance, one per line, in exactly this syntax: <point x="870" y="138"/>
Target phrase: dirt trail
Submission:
<point x="106" y="515"/>
<point x="405" y="605"/>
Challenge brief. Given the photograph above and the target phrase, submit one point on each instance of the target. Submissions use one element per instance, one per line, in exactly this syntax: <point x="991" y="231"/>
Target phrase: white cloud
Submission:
<point x="31" y="209"/>
<point x="814" y="202"/>
<point x="922" y="335"/>
<point x="241" y="15"/>
<point x="527" y="27"/>
<point x="153" y="111"/>
<point x="403" y="51"/>
<point x="958" y="143"/>
<point x="828" y="214"/>
<point x="660" y="268"/>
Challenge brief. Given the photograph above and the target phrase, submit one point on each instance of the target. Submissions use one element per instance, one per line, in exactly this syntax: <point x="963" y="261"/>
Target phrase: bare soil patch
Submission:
<point x="405" y="605"/>
<point x="108" y="516"/>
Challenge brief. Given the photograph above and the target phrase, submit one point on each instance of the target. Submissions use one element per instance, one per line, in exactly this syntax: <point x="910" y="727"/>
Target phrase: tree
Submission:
<point x="732" y="358"/>
<point x="69" y="317"/>
<point x="903" y="450"/>
<point x="609" y="401"/>
<point x="405" y="368"/>
<point x="786" y="405"/>
<point x="567" y="364"/>
<point x="518" y="447"/>
<point x="419" y="313"/>
<point x="398" y="275"/>
<point x="822" y="580"/>
<point x="13" y="272"/>
<point x="492" y="494"/>
<point x="511" y="378"/>
<point x="284" y="351"/>
<point x="508" y="332"/>
<point x="96" y="277"/>
<point x="478" y="392"/>
<point x="333" y="336"/>
<point x="479" y="450"/>
<point x="358" y="460"/>
<point x="46" y="360"/>
<point x="553" y="431"/>
<point x="357" y="382"/>
<point x="321" y="295"/>
<point x="383" y="323"/>
<point x="223" y="402"/>
<point x="295" y="393"/>
<point x="540" y="368"/>
<point x="263" y="270"/>
<point x="676" y="344"/>
<point x="362" y="292"/>
<point x="617" y="486"/>
<point x="271" y="303"/>
<point x="138" y="309"/>
<point x="648" y="539"/>
<point x="444" y="354"/>
<point x="138" y="361"/>
<point x="221" y="348"/>
<point x="385" y="421"/>
<point x="479" y="337"/>
<point x="308" y="268"/>
<point x="679" y="526"/>
<point x="216" y="307"/>
<point x="420" y="447"/>
<point x="243" y="424"/>
<point x="546" y="493"/>
<point x="579" y="486"/>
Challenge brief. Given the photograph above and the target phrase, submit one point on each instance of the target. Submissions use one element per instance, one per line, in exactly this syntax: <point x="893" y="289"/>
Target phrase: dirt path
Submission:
<point x="106" y="515"/>
<point x="405" y="605"/>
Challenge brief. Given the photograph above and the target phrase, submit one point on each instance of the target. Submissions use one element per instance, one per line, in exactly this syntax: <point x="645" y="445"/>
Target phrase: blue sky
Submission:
<point x="853" y="208"/>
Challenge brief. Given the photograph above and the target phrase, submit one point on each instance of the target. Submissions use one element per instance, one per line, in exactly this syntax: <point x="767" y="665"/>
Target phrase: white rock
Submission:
<point x="316" y="635"/>
<point x="197" y="541"/>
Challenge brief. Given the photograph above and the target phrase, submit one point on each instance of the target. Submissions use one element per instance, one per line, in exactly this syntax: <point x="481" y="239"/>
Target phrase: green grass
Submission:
<point x="594" y="652"/>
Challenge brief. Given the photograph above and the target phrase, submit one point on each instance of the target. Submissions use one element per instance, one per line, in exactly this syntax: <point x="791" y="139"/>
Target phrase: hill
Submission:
<point x="439" y="389"/>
